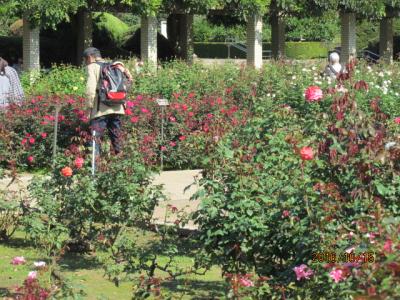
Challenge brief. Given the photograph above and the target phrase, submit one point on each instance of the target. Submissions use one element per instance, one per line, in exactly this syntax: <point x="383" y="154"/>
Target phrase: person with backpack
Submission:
<point x="334" y="68"/>
<point x="10" y="87"/>
<point x="106" y="91"/>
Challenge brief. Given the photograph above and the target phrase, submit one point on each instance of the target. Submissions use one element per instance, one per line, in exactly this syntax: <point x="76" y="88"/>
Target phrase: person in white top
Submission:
<point x="334" y="68"/>
<point x="10" y="86"/>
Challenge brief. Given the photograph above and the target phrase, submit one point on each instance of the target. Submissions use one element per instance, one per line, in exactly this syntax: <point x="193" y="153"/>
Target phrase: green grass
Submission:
<point x="86" y="273"/>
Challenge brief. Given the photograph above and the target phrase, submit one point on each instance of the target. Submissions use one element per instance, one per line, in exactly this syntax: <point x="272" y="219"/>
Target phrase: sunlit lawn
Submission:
<point x="85" y="273"/>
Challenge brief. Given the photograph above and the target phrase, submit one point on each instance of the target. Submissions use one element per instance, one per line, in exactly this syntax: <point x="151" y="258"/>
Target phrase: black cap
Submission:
<point x="92" y="51"/>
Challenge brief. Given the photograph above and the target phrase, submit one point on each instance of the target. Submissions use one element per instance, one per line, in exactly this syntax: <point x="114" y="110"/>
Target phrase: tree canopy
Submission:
<point x="48" y="13"/>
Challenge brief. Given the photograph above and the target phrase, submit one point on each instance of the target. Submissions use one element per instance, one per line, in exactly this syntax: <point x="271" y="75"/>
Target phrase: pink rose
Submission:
<point x="128" y="112"/>
<point x="31" y="140"/>
<point x="397" y="120"/>
<point x="18" y="260"/>
<point x="144" y="110"/>
<point x="337" y="275"/>
<point x="182" y="138"/>
<point x="303" y="271"/>
<point x="313" y="93"/>
<point x="129" y="104"/>
<point x="191" y="114"/>
<point x="32" y="275"/>
<point x="306" y="153"/>
<point x="79" y="161"/>
<point x="24" y="141"/>
<point x="172" y="119"/>
<point x="245" y="282"/>
<point x="30" y="159"/>
<point x="172" y="144"/>
<point x="43" y="135"/>
<point x="388" y="246"/>
<point x="163" y="148"/>
<point x="285" y="213"/>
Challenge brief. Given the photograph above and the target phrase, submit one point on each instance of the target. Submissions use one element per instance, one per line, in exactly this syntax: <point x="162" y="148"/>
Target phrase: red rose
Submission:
<point x="31" y="141"/>
<point x="30" y="159"/>
<point x="134" y="119"/>
<point x="79" y="161"/>
<point x="313" y="93"/>
<point x="306" y="153"/>
<point x="66" y="172"/>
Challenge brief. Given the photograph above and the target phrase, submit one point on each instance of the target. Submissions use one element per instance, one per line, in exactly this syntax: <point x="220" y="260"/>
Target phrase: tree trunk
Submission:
<point x="277" y="32"/>
<point x="348" y="50"/>
<point x="84" y="33"/>
<point x="386" y="40"/>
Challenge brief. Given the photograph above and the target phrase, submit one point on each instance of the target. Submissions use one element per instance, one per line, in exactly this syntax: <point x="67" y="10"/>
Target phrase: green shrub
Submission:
<point x="324" y="28"/>
<point x="306" y="50"/>
<point x="109" y="28"/>
<point x="61" y="80"/>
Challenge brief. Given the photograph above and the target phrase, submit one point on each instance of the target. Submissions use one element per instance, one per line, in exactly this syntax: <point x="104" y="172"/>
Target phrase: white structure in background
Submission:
<point x="164" y="28"/>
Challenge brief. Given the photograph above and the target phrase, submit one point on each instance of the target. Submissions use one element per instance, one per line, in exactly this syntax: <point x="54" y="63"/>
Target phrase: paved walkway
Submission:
<point x="174" y="183"/>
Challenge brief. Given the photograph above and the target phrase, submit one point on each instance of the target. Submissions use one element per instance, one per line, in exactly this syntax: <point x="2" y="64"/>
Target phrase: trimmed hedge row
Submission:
<point x="294" y="50"/>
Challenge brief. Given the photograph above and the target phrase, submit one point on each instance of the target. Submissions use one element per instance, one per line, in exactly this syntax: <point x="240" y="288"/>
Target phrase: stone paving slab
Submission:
<point x="175" y="183"/>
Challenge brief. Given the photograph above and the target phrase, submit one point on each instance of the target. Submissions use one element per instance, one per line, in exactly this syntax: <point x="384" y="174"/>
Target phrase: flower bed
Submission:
<point x="300" y="186"/>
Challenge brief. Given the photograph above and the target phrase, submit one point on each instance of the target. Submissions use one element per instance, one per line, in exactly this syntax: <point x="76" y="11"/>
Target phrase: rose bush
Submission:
<point x="288" y="175"/>
<point x="267" y="212"/>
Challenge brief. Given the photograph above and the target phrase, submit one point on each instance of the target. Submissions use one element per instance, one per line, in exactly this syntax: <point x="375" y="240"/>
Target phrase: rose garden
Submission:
<point x="298" y="196"/>
<point x="295" y="175"/>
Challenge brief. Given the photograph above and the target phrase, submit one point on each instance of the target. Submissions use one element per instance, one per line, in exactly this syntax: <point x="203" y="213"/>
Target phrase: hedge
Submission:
<point x="306" y="50"/>
<point x="294" y="50"/>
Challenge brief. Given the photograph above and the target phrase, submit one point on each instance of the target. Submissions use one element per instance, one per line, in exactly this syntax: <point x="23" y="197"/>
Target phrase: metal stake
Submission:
<point x="55" y="136"/>
<point x="163" y="103"/>
<point x="162" y="137"/>
<point x="93" y="152"/>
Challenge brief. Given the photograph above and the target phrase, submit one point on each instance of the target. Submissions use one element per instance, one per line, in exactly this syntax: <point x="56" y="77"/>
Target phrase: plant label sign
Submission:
<point x="162" y="102"/>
